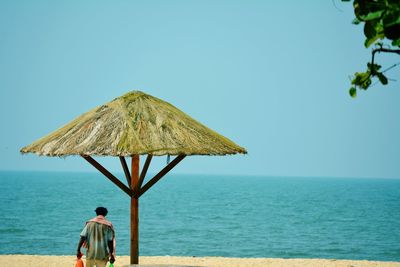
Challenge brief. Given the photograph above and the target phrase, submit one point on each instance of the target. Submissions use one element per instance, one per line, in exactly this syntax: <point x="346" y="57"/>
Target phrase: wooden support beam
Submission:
<point x="135" y="212"/>
<point x="159" y="175"/>
<point x="108" y="174"/>
<point x="126" y="171"/>
<point x="142" y="175"/>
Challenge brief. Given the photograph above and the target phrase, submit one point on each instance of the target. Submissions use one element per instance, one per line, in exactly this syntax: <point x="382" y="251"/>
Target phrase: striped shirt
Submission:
<point x="97" y="237"/>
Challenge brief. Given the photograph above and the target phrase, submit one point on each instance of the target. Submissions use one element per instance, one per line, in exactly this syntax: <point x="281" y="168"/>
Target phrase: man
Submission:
<point x="99" y="238"/>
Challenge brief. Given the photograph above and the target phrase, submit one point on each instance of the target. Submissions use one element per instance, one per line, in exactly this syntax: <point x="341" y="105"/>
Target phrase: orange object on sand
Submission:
<point x="79" y="261"/>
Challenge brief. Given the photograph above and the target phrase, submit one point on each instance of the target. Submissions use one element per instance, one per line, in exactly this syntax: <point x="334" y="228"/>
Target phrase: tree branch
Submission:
<point x="386" y="50"/>
<point x="374" y="51"/>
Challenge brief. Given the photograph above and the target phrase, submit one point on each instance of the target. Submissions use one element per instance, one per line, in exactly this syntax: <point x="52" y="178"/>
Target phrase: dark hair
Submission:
<point x="101" y="211"/>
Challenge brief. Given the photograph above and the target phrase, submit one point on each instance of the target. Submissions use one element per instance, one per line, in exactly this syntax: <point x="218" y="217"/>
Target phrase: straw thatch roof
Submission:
<point x="135" y="123"/>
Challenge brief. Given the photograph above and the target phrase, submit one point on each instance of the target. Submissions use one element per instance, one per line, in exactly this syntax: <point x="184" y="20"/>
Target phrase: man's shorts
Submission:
<point x="97" y="263"/>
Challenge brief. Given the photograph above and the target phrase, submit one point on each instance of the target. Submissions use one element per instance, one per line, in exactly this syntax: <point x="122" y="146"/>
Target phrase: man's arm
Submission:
<point x="111" y="249"/>
<point x="78" y="251"/>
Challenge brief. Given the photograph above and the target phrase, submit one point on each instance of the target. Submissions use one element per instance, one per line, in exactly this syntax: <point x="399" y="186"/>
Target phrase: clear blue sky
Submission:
<point x="271" y="76"/>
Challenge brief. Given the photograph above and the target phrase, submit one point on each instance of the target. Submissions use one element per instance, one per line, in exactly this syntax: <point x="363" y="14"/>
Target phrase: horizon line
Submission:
<point x="213" y="174"/>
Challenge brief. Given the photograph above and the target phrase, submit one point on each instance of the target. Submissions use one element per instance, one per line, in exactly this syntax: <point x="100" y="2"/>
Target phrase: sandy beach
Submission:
<point x="69" y="261"/>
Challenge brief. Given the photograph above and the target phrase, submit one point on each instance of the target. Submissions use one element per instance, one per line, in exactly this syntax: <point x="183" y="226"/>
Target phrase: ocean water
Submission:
<point x="195" y="215"/>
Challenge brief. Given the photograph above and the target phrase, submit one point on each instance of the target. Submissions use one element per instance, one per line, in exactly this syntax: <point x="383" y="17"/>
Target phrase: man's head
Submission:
<point x="101" y="211"/>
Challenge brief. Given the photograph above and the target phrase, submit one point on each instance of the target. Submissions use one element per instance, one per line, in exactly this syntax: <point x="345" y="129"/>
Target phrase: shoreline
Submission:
<point x="17" y="260"/>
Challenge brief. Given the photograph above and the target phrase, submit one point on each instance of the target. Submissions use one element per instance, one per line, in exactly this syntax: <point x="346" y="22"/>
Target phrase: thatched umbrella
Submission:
<point x="132" y="125"/>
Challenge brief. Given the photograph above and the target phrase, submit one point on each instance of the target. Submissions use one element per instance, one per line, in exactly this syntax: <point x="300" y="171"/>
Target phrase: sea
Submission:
<point x="207" y="215"/>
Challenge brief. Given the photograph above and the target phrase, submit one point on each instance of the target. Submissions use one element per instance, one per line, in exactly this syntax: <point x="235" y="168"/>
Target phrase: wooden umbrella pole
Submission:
<point x="135" y="212"/>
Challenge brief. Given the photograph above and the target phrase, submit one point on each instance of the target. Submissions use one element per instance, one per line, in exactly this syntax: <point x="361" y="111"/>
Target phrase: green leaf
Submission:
<point x="382" y="78"/>
<point x="369" y="29"/>
<point x="373" y="31"/>
<point x="373" y="68"/>
<point x="391" y="17"/>
<point x="366" y="84"/>
<point x="359" y="77"/>
<point x="396" y="42"/>
<point x="372" y="15"/>
<point x="392" y="32"/>
<point x="353" y="92"/>
<point x="356" y="21"/>
<point x="391" y="22"/>
<point x="362" y="80"/>
<point x="369" y="41"/>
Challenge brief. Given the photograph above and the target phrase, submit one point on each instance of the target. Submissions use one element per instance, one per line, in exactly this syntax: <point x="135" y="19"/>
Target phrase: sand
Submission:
<point x="69" y="261"/>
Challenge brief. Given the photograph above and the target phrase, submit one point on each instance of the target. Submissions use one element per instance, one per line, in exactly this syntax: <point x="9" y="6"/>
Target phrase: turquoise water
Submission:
<point x="44" y="212"/>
